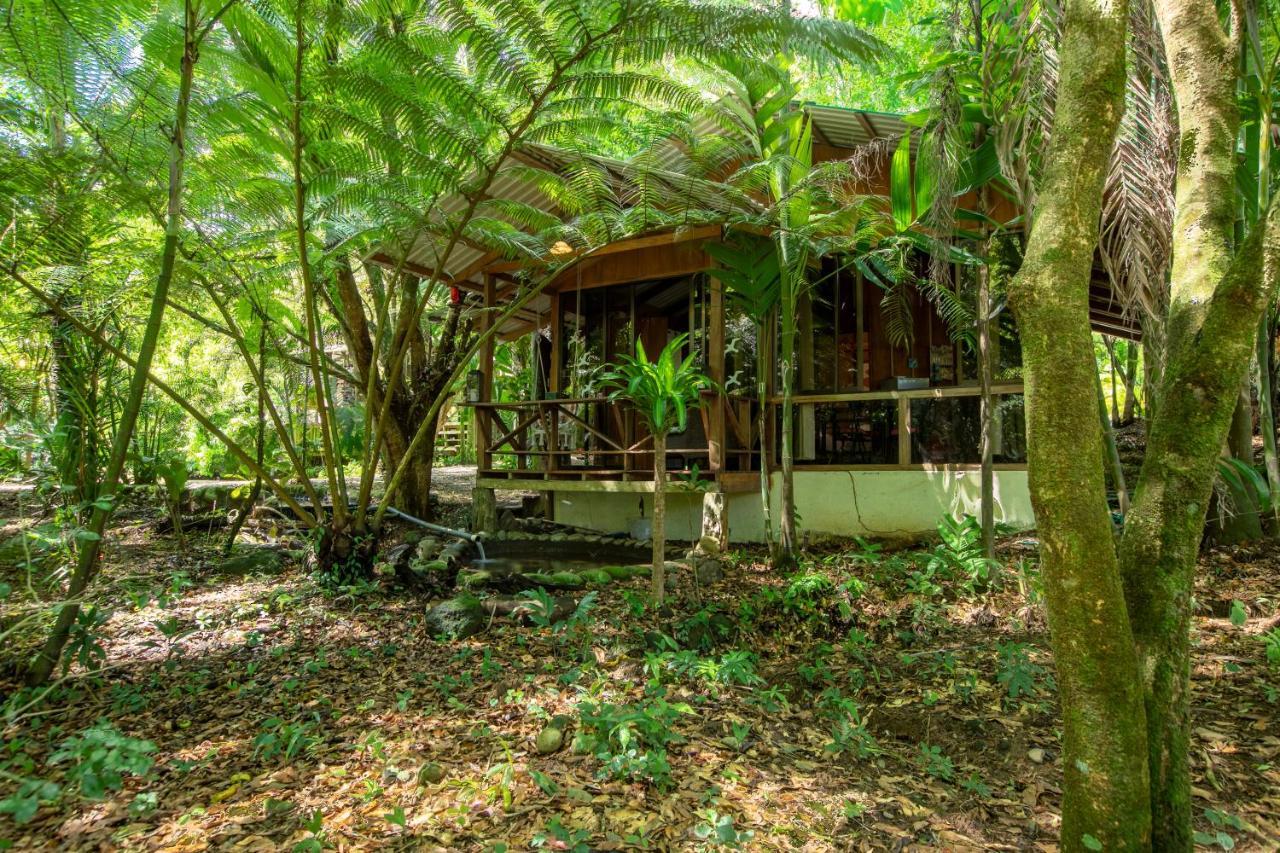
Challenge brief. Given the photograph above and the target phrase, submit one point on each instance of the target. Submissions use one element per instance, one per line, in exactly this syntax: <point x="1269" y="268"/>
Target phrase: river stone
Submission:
<point x="456" y="618"/>
<point x="708" y="570"/>
<point x="567" y="580"/>
<point x="428" y="549"/>
<point x="596" y="576"/>
<point x="259" y="561"/>
<point x="474" y="579"/>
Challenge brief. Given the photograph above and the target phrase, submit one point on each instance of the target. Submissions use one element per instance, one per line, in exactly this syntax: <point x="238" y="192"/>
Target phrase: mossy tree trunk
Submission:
<point x="1130" y="382"/>
<point x="659" y="579"/>
<point x="1105" y="785"/>
<point x="1217" y="295"/>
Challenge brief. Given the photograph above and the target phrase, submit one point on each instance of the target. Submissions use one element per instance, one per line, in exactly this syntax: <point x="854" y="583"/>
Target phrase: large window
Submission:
<point x="598" y="324"/>
<point x="827" y="349"/>
<point x="949" y="430"/>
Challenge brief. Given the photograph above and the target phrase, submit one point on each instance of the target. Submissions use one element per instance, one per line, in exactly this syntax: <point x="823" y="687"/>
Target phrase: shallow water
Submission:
<point x="526" y="565"/>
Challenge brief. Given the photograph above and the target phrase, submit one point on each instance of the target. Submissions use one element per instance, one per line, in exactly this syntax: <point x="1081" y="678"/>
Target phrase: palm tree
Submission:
<point x="663" y="392"/>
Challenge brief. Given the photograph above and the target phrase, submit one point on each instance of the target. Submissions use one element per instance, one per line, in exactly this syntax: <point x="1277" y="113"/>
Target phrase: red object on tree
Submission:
<point x="455" y="295"/>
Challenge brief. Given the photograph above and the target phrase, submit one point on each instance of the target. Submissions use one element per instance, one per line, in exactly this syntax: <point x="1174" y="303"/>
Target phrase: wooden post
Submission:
<point x="483" y="424"/>
<point x="557" y="343"/>
<point x="553" y="437"/>
<point x="904" y="432"/>
<point x="860" y="339"/>
<point x="484" y="510"/>
<point x="716" y="371"/>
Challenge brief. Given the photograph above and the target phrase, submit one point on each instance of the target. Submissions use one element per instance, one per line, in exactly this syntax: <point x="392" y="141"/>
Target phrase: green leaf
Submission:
<point x="900" y="194"/>
<point x="1238" y="614"/>
<point x="1090" y="842"/>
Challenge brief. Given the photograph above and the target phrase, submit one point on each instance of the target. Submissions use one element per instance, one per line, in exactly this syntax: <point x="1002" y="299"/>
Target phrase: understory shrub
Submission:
<point x="631" y="740"/>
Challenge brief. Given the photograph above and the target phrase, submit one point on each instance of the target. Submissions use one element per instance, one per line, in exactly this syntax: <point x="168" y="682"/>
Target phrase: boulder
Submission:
<point x="708" y="570"/>
<point x="566" y="580"/>
<point x="428" y="548"/>
<point x="259" y="561"/>
<point x="596" y="576"/>
<point x="474" y="579"/>
<point x="456" y="618"/>
<point x="430" y="577"/>
<point x="709" y="545"/>
<point x="398" y="556"/>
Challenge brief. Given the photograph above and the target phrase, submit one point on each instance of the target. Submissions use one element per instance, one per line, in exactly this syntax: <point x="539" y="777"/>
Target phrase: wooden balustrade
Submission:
<point x="602" y="438"/>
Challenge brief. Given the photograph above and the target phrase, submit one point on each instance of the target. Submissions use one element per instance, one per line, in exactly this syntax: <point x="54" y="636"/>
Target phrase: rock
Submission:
<point x="428" y="549"/>
<point x="507" y="520"/>
<point x="456" y="618"/>
<point x="398" y="556"/>
<point x="709" y="545"/>
<point x="596" y="576"/>
<point x="259" y="561"/>
<point x="430" y="774"/>
<point x="708" y="570"/>
<point x="618" y="573"/>
<point x="1036" y="755"/>
<point x="434" y="578"/>
<point x="470" y="580"/>
<point x="564" y="580"/>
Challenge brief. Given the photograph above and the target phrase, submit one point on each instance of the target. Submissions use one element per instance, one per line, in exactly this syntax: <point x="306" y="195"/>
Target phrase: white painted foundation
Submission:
<point x="889" y="504"/>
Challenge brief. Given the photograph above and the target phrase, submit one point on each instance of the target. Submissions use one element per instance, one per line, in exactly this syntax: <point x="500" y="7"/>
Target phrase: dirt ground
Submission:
<point x="865" y="703"/>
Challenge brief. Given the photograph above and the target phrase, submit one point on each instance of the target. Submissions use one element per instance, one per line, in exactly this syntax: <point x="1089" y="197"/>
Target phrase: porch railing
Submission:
<point x="597" y="437"/>
<point x="600" y="438"/>
<point x="903" y="429"/>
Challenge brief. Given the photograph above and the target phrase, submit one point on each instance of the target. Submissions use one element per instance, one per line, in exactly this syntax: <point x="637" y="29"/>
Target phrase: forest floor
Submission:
<point x="873" y="700"/>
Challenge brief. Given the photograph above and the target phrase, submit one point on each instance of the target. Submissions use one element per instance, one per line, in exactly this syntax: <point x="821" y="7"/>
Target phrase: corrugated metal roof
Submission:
<point x="850" y="128"/>
<point x="668" y="165"/>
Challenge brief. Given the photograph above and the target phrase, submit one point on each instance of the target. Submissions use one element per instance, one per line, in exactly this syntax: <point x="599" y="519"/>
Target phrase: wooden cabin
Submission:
<point x="886" y="434"/>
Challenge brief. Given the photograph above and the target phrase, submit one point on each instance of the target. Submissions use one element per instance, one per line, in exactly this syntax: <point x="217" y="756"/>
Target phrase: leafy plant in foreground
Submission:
<point x="631" y="740"/>
<point x="100" y="757"/>
<point x="961" y="554"/>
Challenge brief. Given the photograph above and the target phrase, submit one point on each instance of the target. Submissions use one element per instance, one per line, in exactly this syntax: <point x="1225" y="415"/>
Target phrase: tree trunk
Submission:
<point x="1267" y="417"/>
<point x="87" y="560"/>
<point x="659" y="587"/>
<point x="1216" y="299"/>
<point x="786" y="555"/>
<point x="1111" y="454"/>
<point x="1130" y="382"/>
<point x="764" y="366"/>
<point x="986" y="402"/>
<point x="1240" y="439"/>
<point x="1105" y="786"/>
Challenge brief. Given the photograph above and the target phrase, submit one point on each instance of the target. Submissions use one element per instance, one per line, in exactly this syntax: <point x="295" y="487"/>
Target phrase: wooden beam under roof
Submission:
<point x="702" y="232"/>
<point x="865" y="121"/>
<point x="387" y="262"/>
<point x="477" y="265"/>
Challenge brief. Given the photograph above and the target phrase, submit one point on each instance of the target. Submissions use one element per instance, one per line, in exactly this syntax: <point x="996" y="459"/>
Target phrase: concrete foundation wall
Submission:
<point x="889" y="504"/>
